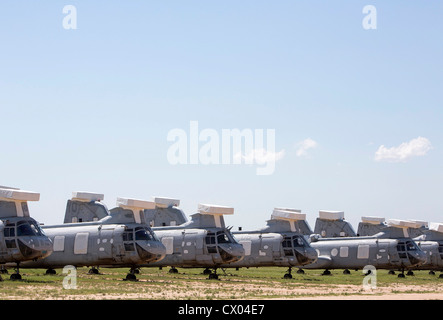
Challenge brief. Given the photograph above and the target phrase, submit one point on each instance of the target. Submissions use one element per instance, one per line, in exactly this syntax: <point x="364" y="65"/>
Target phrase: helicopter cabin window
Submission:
<point x="10" y="243"/>
<point x="81" y="243"/>
<point x="363" y="251"/>
<point x="59" y="243"/>
<point x="344" y="252"/>
<point x="9" y="231"/>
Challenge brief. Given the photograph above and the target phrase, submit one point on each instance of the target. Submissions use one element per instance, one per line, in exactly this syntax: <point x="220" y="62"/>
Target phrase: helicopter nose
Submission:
<point x="45" y="247"/>
<point x="422" y="257"/>
<point x="311" y="254"/>
<point x="158" y="249"/>
<point x="236" y="251"/>
<point x="239" y="252"/>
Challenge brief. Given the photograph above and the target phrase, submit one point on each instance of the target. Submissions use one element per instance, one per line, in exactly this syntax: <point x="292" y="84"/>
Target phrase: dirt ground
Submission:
<point x="196" y="286"/>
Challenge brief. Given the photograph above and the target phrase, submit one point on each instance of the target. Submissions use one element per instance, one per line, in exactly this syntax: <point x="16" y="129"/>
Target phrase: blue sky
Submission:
<point x="90" y="108"/>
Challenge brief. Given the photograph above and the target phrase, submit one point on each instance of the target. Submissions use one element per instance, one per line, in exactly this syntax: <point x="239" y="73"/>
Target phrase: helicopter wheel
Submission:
<point x="410" y="273"/>
<point x="93" y="271"/>
<point x="173" y="270"/>
<point x="15" y="276"/>
<point x="346" y="271"/>
<point x="131" y="277"/>
<point x="213" y="276"/>
<point x="432" y="273"/>
<point x="301" y="271"/>
<point x="50" y="271"/>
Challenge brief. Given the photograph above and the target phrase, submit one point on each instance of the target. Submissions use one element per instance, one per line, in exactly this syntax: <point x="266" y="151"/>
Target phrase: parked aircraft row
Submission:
<point x="140" y="233"/>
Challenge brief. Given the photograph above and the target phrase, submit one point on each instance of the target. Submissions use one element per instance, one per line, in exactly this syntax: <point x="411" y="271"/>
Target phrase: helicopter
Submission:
<point x="355" y="252"/>
<point x="21" y="237"/>
<point x="429" y="237"/>
<point x="280" y="243"/>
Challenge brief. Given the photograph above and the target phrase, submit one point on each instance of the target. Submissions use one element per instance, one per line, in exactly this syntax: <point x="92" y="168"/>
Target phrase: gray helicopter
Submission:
<point x="21" y="237"/>
<point x="280" y="243"/>
<point x="112" y="239"/>
<point x="355" y="252"/>
<point x="204" y="241"/>
<point x="428" y="238"/>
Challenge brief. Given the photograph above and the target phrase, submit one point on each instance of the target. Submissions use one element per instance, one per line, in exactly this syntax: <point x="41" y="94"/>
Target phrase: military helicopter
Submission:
<point x="21" y="237"/>
<point x="113" y="239"/>
<point x="356" y="252"/>
<point x="428" y="238"/>
<point x="204" y="241"/>
<point x="280" y="243"/>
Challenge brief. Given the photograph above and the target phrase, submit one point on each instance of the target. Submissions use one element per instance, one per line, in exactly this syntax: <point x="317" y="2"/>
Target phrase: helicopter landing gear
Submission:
<point x="402" y="274"/>
<point x="288" y="275"/>
<point x="213" y="275"/>
<point x="346" y="271"/>
<point x="326" y="273"/>
<point x="16" y="275"/>
<point x="131" y="275"/>
<point x="50" y="271"/>
<point x="93" y="270"/>
<point x="173" y="270"/>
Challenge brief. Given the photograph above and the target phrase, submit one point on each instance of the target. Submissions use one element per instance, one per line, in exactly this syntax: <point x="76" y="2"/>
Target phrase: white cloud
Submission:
<point x="415" y="148"/>
<point x="260" y="156"/>
<point x="304" y="146"/>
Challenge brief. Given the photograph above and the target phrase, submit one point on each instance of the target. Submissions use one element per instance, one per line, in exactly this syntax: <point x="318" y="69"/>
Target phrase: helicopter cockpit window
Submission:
<point x="222" y="237"/>
<point x="128" y="235"/>
<point x="298" y="242"/>
<point x="24" y="229"/>
<point x="152" y="234"/>
<point x="28" y="228"/>
<point x="410" y="246"/>
<point x="210" y="238"/>
<point x="141" y="234"/>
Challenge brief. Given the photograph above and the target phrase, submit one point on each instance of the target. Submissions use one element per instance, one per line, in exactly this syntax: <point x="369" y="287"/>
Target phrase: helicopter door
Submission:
<point x="188" y="246"/>
<point x="211" y="244"/>
<point x="382" y="253"/>
<point x="105" y="243"/>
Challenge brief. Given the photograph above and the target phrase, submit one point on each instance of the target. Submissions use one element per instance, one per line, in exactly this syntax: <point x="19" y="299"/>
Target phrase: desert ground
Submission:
<point x="244" y="284"/>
